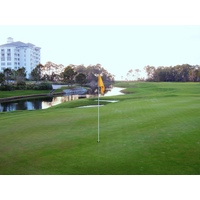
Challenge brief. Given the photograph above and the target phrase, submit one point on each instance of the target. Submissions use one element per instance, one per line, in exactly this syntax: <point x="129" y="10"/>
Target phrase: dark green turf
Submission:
<point x="155" y="129"/>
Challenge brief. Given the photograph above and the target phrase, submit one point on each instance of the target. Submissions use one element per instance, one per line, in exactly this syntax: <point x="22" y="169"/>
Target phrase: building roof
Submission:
<point x="18" y="44"/>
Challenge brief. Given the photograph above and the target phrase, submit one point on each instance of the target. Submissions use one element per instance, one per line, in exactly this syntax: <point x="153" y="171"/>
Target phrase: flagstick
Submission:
<point x="98" y="117"/>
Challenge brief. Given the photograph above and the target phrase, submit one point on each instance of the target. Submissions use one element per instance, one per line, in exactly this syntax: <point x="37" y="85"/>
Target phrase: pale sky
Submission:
<point x="119" y="36"/>
<point x="117" y="48"/>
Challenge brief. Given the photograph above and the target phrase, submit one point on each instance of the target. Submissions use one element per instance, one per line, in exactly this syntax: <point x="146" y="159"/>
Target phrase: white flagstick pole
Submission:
<point x="98" y="117"/>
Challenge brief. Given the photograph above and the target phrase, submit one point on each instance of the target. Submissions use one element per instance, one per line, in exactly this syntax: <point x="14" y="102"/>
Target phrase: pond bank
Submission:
<point x="75" y="91"/>
<point x="8" y="99"/>
<point x="43" y="101"/>
<point x="78" y="90"/>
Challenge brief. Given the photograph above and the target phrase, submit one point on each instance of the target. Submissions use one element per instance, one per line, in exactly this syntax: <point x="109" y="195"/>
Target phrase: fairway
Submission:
<point x="152" y="130"/>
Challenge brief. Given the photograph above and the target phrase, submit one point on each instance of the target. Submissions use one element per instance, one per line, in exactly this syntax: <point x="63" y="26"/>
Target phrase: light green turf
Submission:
<point x="155" y="129"/>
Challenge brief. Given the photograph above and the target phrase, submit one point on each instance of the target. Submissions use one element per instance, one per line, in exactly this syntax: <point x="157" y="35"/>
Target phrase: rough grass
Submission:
<point x="154" y="129"/>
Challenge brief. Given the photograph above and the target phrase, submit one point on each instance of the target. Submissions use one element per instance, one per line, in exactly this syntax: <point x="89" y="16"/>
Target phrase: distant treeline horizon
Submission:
<point x="178" y="73"/>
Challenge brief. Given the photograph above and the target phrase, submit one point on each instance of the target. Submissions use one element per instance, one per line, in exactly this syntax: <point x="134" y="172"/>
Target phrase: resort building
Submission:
<point x="15" y="55"/>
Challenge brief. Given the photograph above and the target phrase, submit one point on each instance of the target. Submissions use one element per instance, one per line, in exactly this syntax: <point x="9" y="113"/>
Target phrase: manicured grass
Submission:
<point x="154" y="129"/>
<point x="5" y="94"/>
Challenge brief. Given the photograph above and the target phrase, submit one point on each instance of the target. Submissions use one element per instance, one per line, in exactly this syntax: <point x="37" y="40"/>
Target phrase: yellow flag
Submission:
<point x="101" y="85"/>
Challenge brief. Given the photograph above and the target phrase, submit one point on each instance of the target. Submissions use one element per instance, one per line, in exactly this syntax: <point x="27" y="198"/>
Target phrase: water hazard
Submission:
<point x="44" y="103"/>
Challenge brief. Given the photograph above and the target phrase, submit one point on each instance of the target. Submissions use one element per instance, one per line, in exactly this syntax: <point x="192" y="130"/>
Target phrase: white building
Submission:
<point x="15" y="55"/>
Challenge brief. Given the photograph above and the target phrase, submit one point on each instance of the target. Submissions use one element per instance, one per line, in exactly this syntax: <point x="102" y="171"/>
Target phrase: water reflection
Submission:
<point x="43" y="103"/>
<point x="33" y="104"/>
<point x="58" y="100"/>
<point x="114" y="91"/>
<point x="39" y="103"/>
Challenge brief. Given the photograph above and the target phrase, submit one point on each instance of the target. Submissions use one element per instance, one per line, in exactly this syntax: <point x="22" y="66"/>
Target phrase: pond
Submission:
<point x="46" y="102"/>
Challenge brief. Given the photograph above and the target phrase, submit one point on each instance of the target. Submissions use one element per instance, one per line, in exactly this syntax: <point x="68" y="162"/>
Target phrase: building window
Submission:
<point x="2" y="58"/>
<point x="8" y="63"/>
<point x="8" y="58"/>
<point x="2" y="64"/>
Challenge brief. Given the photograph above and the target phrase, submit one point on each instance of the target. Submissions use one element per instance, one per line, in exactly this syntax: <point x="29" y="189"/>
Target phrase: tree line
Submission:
<point x="178" y="73"/>
<point x="71" y="74"/>
<point x="50" y="72"/>
<point x="8" y="76"/>
<point x="16" y="80"/>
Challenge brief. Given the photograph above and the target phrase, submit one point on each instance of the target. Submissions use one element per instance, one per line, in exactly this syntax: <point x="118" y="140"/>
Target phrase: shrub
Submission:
<point x="30" y="86"/>
<point x="43" y="86"/>
<point x="21" y="85"/>
<point x="6" y="87"/>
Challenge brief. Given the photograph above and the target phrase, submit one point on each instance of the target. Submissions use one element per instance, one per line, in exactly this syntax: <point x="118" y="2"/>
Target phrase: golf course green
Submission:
<point x="152" y="130"/>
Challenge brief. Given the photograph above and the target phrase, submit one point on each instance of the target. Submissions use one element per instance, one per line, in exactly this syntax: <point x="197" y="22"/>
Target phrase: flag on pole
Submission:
<point x="102" y="88"/>
<point x="101" y="84"/>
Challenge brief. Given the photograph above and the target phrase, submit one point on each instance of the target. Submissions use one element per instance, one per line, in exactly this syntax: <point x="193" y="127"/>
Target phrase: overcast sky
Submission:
<point x="114" y="42"/>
